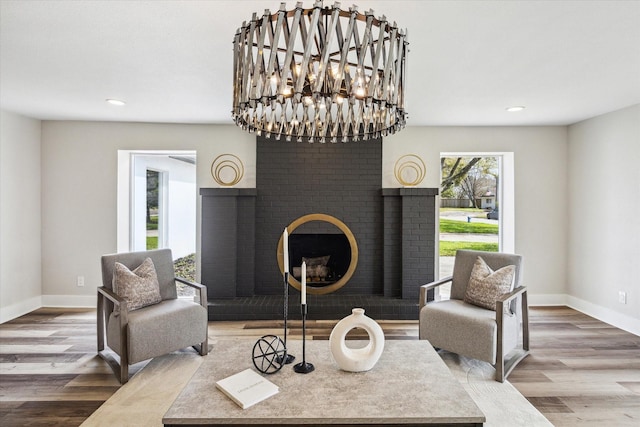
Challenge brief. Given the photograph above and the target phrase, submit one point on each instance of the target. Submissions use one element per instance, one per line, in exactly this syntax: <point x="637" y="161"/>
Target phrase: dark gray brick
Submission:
<point x="394" y="230"/>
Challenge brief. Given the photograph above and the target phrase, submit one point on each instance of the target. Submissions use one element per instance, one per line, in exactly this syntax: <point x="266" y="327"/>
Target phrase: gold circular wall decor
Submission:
<point x="223" y="163"/>
<point x="352" y="243"/>
<point x="410" y="162"/>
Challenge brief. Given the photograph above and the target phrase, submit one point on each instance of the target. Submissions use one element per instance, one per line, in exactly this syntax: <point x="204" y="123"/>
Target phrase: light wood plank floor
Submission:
<point x="580" y="372"/>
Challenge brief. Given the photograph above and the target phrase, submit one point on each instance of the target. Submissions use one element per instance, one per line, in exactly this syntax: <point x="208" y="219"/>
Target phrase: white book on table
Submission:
<point x="247" y="388"/>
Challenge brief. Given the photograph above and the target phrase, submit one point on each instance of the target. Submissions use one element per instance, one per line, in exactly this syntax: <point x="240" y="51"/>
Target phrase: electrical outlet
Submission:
<point x="80" y="281"/>
<point x="622" y="297"/>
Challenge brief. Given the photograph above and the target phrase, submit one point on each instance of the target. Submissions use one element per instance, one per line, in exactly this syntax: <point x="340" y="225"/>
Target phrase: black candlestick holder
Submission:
<point x="286" y="358"/>
<point x="304" y="367"/>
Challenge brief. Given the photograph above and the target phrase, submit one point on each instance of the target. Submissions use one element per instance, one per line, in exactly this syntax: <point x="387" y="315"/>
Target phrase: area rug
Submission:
<point x="143" y="401"/>
<point x="502" y="403"/>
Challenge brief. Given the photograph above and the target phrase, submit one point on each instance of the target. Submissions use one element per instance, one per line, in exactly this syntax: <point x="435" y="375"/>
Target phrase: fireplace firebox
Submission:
<point x="327" y="257"/>
<point x="329" y="249"/>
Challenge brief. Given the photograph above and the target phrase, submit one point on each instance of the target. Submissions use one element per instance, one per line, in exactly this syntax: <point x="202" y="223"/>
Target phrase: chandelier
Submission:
<point x="319" y="74"/>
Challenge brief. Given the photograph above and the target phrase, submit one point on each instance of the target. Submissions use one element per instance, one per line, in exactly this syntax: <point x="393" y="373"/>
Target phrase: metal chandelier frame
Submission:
<point x="319" y="74"/>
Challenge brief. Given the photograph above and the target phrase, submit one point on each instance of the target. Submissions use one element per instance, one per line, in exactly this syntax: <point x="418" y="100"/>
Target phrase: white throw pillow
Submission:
<point x="140" y="287"/>
<point x="486" y="286"/>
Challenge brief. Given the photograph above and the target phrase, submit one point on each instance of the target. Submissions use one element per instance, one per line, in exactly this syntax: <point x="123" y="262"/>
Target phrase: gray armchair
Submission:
<point x="459" y="327"/>
<point x="154" y="330"/>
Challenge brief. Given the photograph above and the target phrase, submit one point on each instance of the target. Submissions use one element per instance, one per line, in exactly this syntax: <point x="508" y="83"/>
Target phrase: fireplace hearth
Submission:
<point x="241" y="253"/>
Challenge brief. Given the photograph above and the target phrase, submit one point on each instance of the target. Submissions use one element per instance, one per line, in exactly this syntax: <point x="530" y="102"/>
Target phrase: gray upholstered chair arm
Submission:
<point x="122" y="310"/>
<point x="505" y="370"/>
<point x="118" y="302"/>
<point x="119" y="305"/>
<point x="506" y="298"/>
<point x="202" y="289"/>
<point x="116" y="299"/>
<point x="190" y="283"/>
<point x="425" y="288"/>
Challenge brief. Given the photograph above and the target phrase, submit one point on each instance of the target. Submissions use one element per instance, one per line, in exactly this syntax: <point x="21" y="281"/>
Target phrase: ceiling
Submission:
<point x="171" y="61"/>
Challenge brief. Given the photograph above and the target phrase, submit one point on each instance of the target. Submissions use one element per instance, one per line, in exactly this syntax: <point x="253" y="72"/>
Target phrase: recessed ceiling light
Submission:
<point x="116" y="102"/>
<point x="515" y="108"/>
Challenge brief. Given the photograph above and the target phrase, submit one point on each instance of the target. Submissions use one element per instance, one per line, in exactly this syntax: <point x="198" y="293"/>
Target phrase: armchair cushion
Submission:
<point x="486" y="286"/>
<point x="466" y="329"/>
<point x="159" y="329"/>
<point x="139" y="287"/>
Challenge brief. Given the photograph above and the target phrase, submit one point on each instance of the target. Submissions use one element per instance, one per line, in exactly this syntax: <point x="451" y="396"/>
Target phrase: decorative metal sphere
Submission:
<point x="269" y="354"/>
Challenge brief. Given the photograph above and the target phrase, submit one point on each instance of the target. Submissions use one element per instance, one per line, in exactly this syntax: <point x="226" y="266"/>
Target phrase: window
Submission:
<point x="157" y="197"/>
<point x="468" y="220"/>
<point x="155" y="210"/>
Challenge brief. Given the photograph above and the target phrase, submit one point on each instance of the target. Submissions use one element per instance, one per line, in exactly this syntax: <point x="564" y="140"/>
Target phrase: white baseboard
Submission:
<point x="612" y="317"/>
<point x="70" y="301"/>
<point x="603" y="314"/>
<point x="547" y="299"/>
<point x="622" y="321"/>
<point x="19" y="309"/>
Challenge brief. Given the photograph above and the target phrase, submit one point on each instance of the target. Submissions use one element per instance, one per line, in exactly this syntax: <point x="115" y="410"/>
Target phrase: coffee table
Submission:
<point x="409" y="386"/>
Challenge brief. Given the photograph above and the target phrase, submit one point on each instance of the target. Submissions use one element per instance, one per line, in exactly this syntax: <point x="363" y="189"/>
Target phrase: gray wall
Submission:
<point x="20" y="215"/>
<point x="68" y="151"/>
<point x="604" y="231"/>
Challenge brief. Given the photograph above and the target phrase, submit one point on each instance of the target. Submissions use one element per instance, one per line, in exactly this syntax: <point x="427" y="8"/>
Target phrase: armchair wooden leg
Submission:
<point x="124" y="372"/>
<point x="100" y="323"/>
<point x="500" y="369"/>
<point x="504" y="367"/>
<point x="204" y="347"/>
<point x="499" y="365"/>
<point x="124" y="348"/>
<point x="525" y="322"/>
<point x="120" y="369"/>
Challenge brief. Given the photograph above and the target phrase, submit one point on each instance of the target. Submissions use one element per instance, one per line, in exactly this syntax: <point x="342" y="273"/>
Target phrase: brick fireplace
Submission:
<point x="394" y="229"/>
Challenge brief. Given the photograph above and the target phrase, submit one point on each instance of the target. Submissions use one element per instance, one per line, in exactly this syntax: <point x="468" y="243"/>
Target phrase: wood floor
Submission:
<point x="580" y="371"/>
